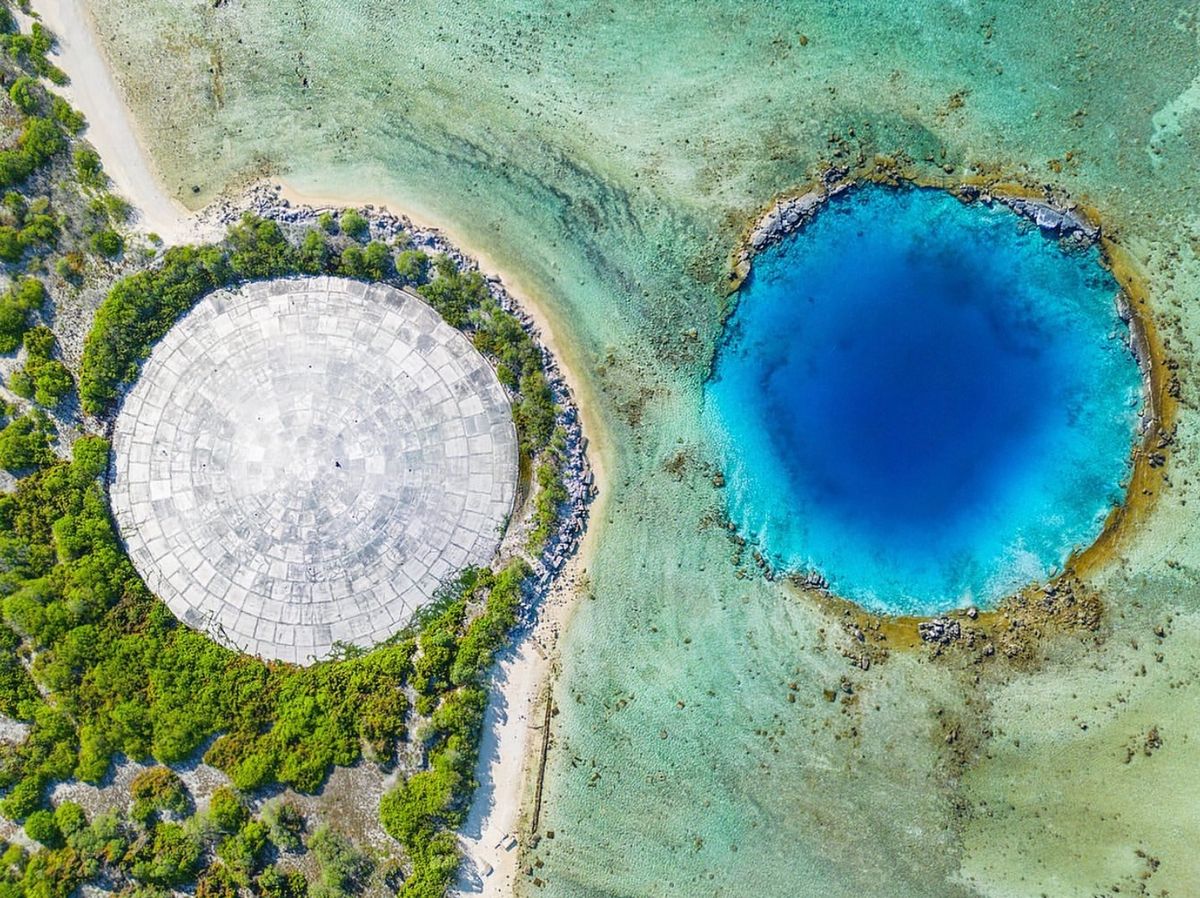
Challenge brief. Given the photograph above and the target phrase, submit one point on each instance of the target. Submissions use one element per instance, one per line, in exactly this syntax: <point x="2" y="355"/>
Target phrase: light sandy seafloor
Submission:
<point x="606" y="159"/>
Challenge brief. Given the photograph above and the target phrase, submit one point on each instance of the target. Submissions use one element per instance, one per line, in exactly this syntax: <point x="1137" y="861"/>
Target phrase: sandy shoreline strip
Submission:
<point x="509" y="750"/>
<point x="110" y="126"/>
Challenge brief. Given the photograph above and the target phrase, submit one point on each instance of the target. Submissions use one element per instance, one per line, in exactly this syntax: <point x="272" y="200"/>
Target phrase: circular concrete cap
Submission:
<point x="304" y="462"/>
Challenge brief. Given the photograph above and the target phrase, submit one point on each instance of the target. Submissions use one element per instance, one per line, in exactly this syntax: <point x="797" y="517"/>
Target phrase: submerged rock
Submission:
<point x="1063" y="221"/>
<point x="940" y="630"/>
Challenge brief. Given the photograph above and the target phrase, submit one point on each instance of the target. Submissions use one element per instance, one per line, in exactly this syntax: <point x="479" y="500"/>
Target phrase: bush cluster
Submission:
<point x="24" y="226"/>
<point x="17" y="305"/>
<point x="99" y="669"/>
<point x="140" y="309"/>
<point x="158" y="789"/>
<point x="26" y="442"/>
<point x="551" y="493"/>
<point x="43" y="379"/>
<point x="39" y="141"/>
<point x="29" y="51"/>
<point x="127" y="678"/>
<point x="151" y="857"/>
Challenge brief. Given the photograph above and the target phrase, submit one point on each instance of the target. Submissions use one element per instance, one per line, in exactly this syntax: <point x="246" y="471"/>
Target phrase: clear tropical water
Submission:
<point x="930" y="402"/>
<point x="606" y="157"/>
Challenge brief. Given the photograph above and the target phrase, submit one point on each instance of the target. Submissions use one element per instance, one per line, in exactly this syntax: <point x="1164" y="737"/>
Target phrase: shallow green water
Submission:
<point x="607" y="156"/>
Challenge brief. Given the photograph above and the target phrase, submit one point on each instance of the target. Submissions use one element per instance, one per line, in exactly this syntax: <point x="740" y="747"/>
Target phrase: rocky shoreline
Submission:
<point x="789" y="213"/>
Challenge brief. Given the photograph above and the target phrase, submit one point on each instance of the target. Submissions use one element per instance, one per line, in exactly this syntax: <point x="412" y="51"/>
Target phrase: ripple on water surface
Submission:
<point x="929" y="402"/>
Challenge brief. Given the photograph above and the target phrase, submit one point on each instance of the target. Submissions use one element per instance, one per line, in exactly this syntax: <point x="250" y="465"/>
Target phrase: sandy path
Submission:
<point x="111" y="129"/>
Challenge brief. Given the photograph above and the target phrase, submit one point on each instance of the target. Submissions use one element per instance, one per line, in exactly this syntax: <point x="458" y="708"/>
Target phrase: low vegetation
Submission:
<point x="44" y="379"/>
<point x="121" y="676"/>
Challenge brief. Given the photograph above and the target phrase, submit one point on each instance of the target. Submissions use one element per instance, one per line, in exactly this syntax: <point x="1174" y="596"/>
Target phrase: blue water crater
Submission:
<point x="931" y="403"/>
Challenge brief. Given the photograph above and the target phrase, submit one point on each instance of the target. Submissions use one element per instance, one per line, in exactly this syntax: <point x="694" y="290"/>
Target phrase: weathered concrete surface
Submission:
<point x="303" y="462"/>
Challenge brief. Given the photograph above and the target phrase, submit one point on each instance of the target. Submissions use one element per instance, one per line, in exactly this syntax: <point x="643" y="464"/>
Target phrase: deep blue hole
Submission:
<point x="930" y="402"/>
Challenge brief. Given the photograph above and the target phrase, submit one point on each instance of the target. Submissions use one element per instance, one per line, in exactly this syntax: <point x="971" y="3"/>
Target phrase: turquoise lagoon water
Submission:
<point x="930" y="402"/>
<point x="605" y="157"/>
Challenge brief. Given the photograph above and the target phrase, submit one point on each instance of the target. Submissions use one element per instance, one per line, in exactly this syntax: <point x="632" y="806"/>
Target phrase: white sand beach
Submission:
<point x="111" y="129"/>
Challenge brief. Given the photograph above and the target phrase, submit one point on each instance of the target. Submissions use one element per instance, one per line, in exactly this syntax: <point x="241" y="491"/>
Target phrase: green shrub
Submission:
<point x="26" y="295"/>
<point x="535" y="413"/>
<point x="71" y="120"/>
<point x="39" y="231"/>
<point x="71" y="818"/>
<point x="243" y="851"/>
<point x="39" y="342"/>
<point x="217" y="881"/>
<point x="313" y="254"/>
<point x="365" y="263"/>
<point x="43" y="379"/>
<point x="40" y="140"/>
<point x="414" y="810"/>
<point x="25" y="442"/>
<point x="377" y="261"/>
<point x="17" y="691"/>
<point x="71" y="266"/>
<point x="171" y="859"/>
<point x="551" y="494"/>
<point x="13" y="322"/>
<point x="12" y="247"/>
<point x="52" y="382"/>
<point x="158" y="789"/>
<point x="354" y="225"/>
<point x="107" y="209"/>
<point x="24" y="798"/>
<point x="24" y="93"/>
<point x="226" y="810"/>
<point x="343" y="868"/>
<point x="258" y="249"/>
<point x="286" y="824"/>
<point x="412" y="267"/>
<point x="106" y="840"/>
<point x="274" y="883"/>
<point x="454" y="294"/>
<point x="21" y="383"/>
<point x="434" y="866"/>
<point x="108" y="243"/>
<point x="29" y="293"/>
<point x="486" y="634"/>
<point x="351" y="262"/>
<point x="88" y="169"/>
<point x="41" y="827"/>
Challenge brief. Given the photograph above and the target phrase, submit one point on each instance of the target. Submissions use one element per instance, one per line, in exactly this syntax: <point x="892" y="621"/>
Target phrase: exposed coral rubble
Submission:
<point x="790" y="213"/>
